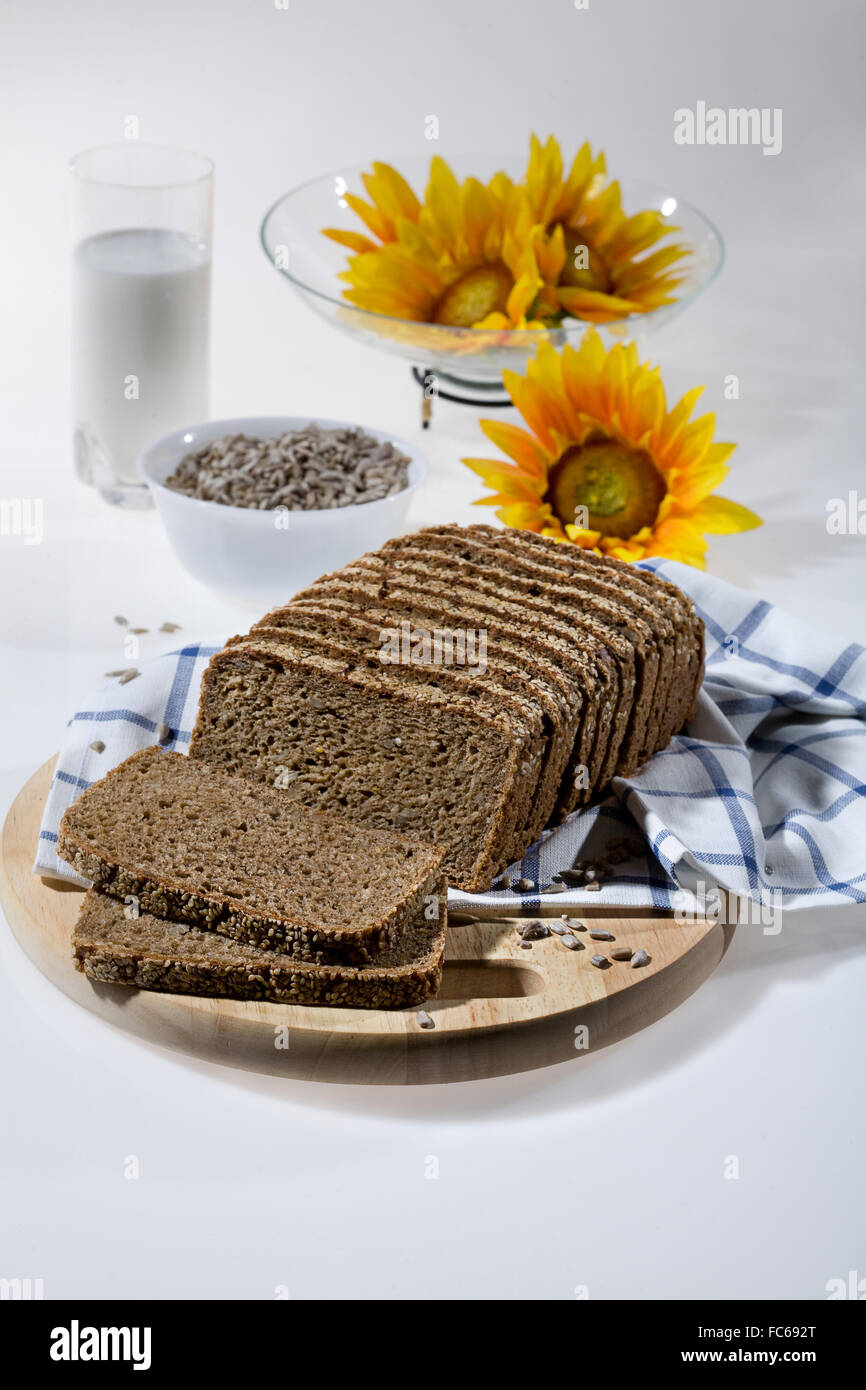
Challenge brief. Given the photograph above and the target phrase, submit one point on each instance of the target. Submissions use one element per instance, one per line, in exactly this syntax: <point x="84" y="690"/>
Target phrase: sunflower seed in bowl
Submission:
<point x="310" y="469"/>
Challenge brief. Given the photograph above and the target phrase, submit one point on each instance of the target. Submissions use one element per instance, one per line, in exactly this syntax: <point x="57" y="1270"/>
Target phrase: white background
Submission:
<point x="608" y="1172"/>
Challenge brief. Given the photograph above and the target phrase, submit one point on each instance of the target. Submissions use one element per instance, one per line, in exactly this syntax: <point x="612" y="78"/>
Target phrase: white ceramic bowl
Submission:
<point x="242" y="552"/>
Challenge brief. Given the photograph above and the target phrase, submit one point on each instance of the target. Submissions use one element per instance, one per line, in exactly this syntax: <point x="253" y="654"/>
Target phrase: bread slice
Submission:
<point x="151" y="953"/>
<point x="192" y="844"/>
<point x="400" y="757"/>
<point x="534" y="695"/>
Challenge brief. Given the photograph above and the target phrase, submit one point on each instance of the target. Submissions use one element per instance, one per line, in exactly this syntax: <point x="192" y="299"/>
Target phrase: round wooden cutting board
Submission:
<point x="501" y="1008"/>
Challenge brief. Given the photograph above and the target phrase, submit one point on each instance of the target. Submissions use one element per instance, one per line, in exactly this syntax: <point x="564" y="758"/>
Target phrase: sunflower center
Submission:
<point x="619" y="488"/>
<point x="476" y="294"/>
<point x="584" y="268"/>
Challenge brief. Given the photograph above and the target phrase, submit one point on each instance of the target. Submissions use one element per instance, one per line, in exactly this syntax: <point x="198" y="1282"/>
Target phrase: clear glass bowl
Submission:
<point x="292" y="238"/>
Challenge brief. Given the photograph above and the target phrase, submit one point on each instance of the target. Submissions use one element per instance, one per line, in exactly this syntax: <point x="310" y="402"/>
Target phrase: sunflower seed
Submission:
<point x="621" y="953"/>
<point x="526" y="945"/>
<point x="572" y="942"/>
<point x="404" y="817"/>
<point x="164" y="734"/>
<point x="120" y="620"/>
<point x="573" y="877"/>
<point x="317" y="703"/>
<point x="98" y="746"/>
<point x="139" y="631"/>
<point x="593" y="887"/>
<point x="111" y="674"/>
<point x="640" y="958"/>
<point x="461" y="919"/>
<point x="424" y="1019"/>
<point x="534" y="931"/>
<point x="602" y="935"/>
<point x="600" y="962"/>
<point x="525" y="885"/>
<point x="572" y="923"/>
<point x="169" y="627"/>
<point x="555" y="888"/>
<point x="559" y="928"/>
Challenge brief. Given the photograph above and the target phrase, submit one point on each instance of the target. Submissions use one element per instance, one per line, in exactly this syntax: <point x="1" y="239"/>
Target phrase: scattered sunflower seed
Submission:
<point x="461" y="919"/>
<point x="110" y="674"/>
<point x="120" y="620"/>
<point x="169" y="627"/>
<point x="534" y="931"/>
<point x="164" y="733"/>
<point x="593" y="887"/>
<point x="621" y="953"/>
<point x="98" y="746"/>
<point x="555" y="888"/>
<point x="638" y="959"/>
<point x="559" y="928"/>
<point x="128" y="676"/>
<point x="424" y="1019"/>
<point x="525" y="885"/>
<point x="601" y="934"/>
<point x="573" y="877"/>
<point x="526" y="945"/>
<point x="600" y="962"/>
<point x="572" y="942"/>
<point x="139" y="631"/>
<point x="572" y="923"/>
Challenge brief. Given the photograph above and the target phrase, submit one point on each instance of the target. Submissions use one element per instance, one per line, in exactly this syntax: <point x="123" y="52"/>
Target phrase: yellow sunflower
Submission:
<point x="469" y="256"/>
<point x="605" y="464"/>
<point x="606" y="275"/>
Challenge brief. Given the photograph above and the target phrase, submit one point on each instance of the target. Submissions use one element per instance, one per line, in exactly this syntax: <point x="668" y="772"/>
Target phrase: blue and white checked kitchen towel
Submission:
<point x="764" y="794"/>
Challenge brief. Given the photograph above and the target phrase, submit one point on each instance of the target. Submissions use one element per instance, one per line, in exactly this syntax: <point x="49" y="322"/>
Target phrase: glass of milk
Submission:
<point x="141" y="306"/>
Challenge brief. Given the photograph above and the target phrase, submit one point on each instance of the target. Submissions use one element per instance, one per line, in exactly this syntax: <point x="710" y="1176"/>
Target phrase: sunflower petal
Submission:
<point x="518" y="444"/>
<point x="354" y="240"/>
<point x="504" y="477"/>
<point x="719" y="517"/>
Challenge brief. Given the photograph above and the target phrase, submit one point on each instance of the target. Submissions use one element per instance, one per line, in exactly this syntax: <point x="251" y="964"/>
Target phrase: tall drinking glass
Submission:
<point x="141" y="306"/>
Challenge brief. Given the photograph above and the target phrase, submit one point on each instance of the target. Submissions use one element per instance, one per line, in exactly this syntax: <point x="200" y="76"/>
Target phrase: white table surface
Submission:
<point x="609" y="1172"/>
